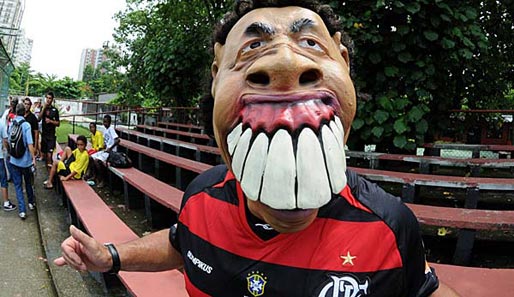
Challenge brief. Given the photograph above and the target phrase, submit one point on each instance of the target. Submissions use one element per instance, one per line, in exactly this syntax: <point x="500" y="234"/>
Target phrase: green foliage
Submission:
<point x="165" y="48"/>
<point x="418" y="59"/>
<point x="66" y="128"/>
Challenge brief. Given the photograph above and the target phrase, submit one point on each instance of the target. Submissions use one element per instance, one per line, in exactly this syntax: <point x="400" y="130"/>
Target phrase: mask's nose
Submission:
<point x="283" y="69"/>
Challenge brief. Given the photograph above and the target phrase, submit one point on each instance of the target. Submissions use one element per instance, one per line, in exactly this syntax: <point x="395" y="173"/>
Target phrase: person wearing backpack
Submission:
<point x="21" y="150"/>
<point x="7" y="205"/>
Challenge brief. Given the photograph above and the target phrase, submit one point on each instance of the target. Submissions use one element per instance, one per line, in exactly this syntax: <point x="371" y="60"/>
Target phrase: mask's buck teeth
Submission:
<point x="270" y="172"/>
<point x="278" y="185"/>
<point x="256" y="160"/>
<point x="240" y="153"/>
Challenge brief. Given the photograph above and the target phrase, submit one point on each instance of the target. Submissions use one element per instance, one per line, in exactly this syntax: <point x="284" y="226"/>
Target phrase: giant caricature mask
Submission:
<point x="284" y="102"/>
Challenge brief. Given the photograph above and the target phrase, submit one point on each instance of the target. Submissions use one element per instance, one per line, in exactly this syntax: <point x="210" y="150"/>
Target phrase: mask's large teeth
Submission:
<point x="313" y="185"/>
<point x="240" y="153"/>
<point x="256" y="160"/>
<point x="278" y="185"/>
<point x="233" y="138"/>
<point x="338" y="134"/>
<point x="335" y="160"/>
<point x="339" y="124"/>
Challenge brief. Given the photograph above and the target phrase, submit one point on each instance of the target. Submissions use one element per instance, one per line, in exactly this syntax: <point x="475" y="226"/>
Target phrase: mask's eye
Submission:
<point x="254" y="45"/>
<point x="309" y="43"/>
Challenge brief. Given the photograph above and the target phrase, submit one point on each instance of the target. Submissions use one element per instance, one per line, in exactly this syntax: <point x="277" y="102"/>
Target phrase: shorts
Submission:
<point x="48" y="144"/>
<point x="63" y="169"/>
<point x="3" y="174"/>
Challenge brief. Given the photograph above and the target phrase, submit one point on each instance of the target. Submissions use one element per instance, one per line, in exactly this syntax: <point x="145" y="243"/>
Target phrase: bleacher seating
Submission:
<point x="468" y="281"/>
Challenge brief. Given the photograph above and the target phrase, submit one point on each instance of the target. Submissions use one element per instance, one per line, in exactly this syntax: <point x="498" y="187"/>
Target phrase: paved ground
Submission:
<point x="26" y="245"/>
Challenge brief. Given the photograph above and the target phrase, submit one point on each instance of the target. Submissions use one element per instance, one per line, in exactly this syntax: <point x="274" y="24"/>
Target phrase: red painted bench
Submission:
<point x="425" y="162"/>
<point x="90" y="213"/>
<point x="181" y="127"/>
<point x="202" y="153"/>
<point x="434" y="149"/>
<point x="156" y="193"/>
<point x="476" y="282"/>
<point x="163" y="160"/>
<point x="175" y="134"/>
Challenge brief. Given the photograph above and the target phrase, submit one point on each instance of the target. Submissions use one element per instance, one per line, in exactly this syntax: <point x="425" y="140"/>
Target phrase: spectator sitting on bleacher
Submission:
<point x="97" y="139"/>
<point x="283" y="217"/>
<point x="111" y="140"/>
<point x="72" y="164"/>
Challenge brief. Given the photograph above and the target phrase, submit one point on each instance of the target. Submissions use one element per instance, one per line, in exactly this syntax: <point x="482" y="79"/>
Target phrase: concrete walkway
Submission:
<point x="26" y="245"/>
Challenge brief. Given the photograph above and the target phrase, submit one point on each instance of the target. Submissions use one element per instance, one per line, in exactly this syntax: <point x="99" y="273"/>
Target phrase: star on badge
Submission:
<point x="348" y="259"/>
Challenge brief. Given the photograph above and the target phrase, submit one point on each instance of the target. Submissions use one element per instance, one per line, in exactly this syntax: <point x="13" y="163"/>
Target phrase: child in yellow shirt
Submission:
<point x="73" y="164"/>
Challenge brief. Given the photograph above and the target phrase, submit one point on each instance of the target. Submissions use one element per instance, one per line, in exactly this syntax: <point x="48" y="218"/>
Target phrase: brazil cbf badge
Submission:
<point x="256" y="282"/>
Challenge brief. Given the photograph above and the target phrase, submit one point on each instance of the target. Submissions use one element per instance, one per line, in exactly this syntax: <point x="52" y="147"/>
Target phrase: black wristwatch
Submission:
<point x="116" y="263"/>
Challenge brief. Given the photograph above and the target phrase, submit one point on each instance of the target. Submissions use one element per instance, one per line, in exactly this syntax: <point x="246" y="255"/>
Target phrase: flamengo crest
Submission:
<point x="344" y="286"/>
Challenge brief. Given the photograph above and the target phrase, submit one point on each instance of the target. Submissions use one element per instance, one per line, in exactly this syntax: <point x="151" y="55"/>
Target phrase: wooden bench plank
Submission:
<point x="476" y="282"/>
<point x="130" y="134"/>
<point x="483" y="183"/>
<point x="159" y="191"/>
<point x="478" y="219"/>
<point x="193" y="137"/>
<point x="184" y="163"/>
<point x="180" y="126"/>
<point x="105" y="226"/>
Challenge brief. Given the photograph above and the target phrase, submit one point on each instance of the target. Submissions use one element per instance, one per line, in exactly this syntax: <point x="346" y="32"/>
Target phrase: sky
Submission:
<point x="61" y="29"/>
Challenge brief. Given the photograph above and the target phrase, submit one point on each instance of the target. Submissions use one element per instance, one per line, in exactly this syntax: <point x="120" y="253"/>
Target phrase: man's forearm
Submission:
<point x="153" y="252"/>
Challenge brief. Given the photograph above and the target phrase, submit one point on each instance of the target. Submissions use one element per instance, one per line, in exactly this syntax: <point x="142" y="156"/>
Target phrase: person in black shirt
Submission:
<point x="32" y="120"/>
<point x="50" y="120"/>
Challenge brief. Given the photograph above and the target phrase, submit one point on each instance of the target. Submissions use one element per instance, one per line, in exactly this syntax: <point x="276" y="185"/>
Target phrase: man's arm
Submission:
<point x="150" y="253"/>
<point x="116" y="142"/>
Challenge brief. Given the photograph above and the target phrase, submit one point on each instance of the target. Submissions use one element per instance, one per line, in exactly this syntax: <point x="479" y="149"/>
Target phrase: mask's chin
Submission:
<point x="297" y="170"/>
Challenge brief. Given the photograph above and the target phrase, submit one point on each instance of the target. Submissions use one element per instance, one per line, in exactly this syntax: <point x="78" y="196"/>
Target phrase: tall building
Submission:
<point x="93" y="57"/>
<point x="11" y="13"/>
<point x="23" y="49"/>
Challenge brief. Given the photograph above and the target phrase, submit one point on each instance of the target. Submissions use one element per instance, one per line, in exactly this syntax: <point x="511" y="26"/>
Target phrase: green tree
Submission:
<point x="415" y="60"/>
<point x="165" y="49"/>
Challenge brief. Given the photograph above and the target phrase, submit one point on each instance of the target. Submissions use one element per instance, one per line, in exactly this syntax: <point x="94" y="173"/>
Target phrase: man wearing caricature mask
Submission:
<point x="283" y="217"/>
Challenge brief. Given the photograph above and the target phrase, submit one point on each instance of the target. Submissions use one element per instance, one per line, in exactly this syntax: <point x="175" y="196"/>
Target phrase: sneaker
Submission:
<point x="32" y="206"/>
<point x="9" y="207"/>
<point x="23" y="215"/>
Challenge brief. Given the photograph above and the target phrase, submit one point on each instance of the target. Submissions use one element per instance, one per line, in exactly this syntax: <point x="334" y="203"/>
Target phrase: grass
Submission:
<point x="66" y="128"/>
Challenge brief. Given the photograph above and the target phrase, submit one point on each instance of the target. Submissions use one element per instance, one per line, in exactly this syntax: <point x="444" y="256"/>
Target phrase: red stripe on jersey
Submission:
<point x="346" y="193"/>
<point x="228" y="177"/>
<point x="320" y="246"/>
<point x="192" y="290"/>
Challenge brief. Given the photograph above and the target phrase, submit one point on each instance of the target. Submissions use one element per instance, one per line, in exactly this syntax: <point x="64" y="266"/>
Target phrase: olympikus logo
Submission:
<point x="199" y="263"/>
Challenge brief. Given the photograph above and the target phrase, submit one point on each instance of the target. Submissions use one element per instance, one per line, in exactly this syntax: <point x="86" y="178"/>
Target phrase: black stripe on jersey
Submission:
<point x="207" y="179"/>
<point x="203" y="261"/>
<point x="340" y="209"/>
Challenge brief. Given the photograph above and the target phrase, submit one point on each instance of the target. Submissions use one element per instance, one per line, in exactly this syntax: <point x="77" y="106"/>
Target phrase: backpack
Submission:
<point x="16" y="145"/>
<point x="119" y="160"/>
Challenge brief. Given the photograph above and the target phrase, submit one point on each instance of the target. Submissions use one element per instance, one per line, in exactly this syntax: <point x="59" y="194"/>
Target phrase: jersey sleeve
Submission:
<point x="419" y="281"/>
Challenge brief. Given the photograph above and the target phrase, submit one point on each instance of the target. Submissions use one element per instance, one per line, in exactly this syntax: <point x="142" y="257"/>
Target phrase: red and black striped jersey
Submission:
<point x="364" y="242"/>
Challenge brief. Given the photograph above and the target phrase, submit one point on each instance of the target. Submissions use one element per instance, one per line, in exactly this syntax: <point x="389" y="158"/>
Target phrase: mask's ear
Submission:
<point x="218" y="53"/>
<point x="342" y="49"/>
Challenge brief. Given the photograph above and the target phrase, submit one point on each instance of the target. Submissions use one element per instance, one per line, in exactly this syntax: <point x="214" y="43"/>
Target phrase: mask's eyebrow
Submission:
<point x="259" y="29"/>
<point x="301" y="24"/>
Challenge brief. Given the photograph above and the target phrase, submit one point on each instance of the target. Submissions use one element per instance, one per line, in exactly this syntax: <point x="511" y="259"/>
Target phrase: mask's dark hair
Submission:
<point x="241" y="8"/>
<point x="92" y="124"/>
